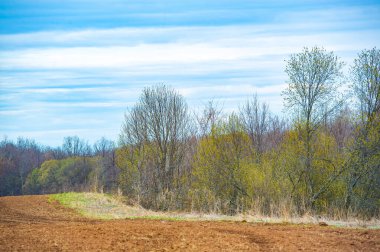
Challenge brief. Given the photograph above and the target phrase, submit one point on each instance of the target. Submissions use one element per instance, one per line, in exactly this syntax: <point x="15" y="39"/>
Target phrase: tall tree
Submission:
<point x="312" y="94"/>
<point x="364" y="173"/>
<point x="155" y="132"/>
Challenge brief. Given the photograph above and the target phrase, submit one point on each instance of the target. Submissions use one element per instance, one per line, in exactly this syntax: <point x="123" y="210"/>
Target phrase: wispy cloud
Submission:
<point x="68" y="79"/>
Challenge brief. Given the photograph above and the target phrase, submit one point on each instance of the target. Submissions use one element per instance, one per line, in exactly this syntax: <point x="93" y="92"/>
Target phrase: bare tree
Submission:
<point x="16" y="161"/>
<point x="255" y="118"/>
<point x="342" y="128"/>
<point x="103" y="147"/>
<point x="156" y="130"/>
<point x="276" y="131"/>
<point x="74" y="146"/>
<point x="208" y="118"/>
<point x="312" y="94"/>
<point x="105" y="172"/>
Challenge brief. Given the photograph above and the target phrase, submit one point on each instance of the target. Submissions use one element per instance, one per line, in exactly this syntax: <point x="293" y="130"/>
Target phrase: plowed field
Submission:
<point x="31" y="223"/>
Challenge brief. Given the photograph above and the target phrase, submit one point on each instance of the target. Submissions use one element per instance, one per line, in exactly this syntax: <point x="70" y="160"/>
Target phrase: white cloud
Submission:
<point x="240" y="45"/>
<point x="82" y="81"/>
<point x="286" y="22"/>
<point x="118" y="57"/>
<point x="230" y="90"/>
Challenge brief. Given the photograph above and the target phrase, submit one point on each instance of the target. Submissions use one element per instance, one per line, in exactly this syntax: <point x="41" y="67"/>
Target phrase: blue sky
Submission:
<point x="74" y="67"/>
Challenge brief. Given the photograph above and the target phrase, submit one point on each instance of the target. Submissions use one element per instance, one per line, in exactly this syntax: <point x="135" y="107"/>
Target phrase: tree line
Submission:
<point x="29" y="168"/>
<point x="324" y="158"/>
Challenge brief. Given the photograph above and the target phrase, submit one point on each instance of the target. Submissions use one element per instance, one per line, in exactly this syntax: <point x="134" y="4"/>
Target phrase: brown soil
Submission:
<point x="31" y="223"/>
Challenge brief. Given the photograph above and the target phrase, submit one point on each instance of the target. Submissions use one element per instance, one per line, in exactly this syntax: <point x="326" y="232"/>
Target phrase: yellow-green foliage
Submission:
<point x="128" y="160"/>
<point x="222" y="168"/>
<point x="326" y="163"/>
<point x="49" y="171"/>
<point x="365" y="167"/>
<point x="290" y="162"/>
<point x="61" y="175"/>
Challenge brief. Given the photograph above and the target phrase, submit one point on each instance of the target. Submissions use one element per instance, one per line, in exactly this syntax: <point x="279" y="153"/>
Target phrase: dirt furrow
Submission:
<point x="32" y="223"/>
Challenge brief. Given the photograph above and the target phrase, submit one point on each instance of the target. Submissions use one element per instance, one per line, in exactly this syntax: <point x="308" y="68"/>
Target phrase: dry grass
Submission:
<point x="103" y="206"/>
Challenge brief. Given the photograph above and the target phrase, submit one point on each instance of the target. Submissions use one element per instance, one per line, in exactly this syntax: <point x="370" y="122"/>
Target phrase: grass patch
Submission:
<point x="106" y="207"/>
<point x="109" y="207"/>
<point x="90" y="205"/>
<point x="71" y="199"/>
